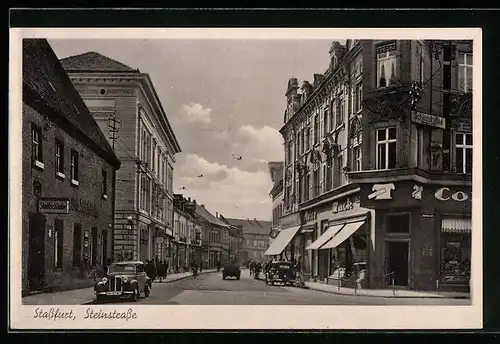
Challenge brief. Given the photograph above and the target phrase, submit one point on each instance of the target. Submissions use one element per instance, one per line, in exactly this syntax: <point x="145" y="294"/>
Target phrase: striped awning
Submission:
<point x="456" y="225"/>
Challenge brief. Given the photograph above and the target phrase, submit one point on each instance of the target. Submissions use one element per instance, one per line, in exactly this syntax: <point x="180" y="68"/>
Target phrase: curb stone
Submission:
<point x="391" y="297"/>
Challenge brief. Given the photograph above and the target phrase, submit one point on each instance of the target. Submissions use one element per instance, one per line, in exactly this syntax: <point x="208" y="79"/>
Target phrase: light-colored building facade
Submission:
<point x="276" y="194"/>
<point x="124" y="103"/>
<point x="255" y="238"/>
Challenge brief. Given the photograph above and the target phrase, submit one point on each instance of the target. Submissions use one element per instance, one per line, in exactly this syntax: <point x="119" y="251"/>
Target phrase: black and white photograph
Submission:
<point x="220" y="169"/>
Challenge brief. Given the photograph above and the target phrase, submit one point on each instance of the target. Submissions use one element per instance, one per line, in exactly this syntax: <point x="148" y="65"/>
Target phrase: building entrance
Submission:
<point x="397" y="257"/>
<point x="36" y="252"/>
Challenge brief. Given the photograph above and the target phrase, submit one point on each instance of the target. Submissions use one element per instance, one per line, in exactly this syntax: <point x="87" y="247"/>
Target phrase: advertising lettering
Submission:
<point x="51" y="206"/>
<point x="444" y="194"/>
<point x="427" y="119"/>
<point x="339" y="207"/>
<point x="310" y="216"/>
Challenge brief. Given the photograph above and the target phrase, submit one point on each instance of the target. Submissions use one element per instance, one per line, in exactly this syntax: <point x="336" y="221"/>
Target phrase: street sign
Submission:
<point x="427" y="119"/>
<point x="53" y="206"/>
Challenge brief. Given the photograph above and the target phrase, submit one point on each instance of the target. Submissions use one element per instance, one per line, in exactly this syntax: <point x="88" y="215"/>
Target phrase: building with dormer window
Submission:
<point x="378" y="161"/>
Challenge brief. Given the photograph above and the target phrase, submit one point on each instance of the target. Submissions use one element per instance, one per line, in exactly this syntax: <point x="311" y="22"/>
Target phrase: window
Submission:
<point x="386" y="148"/>
<point x="93" y="247"/>
<point x="308" y="133"/>
<point x="59" y="158"/>
<point x="327" y="119"/>
<point x="302" y="134"/>
<point x="358" y="97"/>
<point x="74" y="167"/>
<point x="386" y="65"/>
<point x="420" y="63"/>
<point x="323" y="184"/>
<point x="58" y="243"/>
<point x="398" y="223"/>
<point x="77" y="245"/>
<point x="308" y="186"/>
<point x="104" y="247"/>
<point x="339" y="116"/>
<point x="338" y="170"/>
<point x="316" y="177"/>
<point x="463" y="152"/>
<point x="357" y="154"/>
<point x="357" y="158"/>
<point x="465" y="72"/>
<point x="316" y="129"/>
<point x="36" y="145"/>
<point x="104" y="187"/>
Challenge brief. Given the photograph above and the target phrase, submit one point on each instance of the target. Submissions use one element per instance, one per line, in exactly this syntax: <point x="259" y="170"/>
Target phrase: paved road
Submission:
<point x="210" y="289"/>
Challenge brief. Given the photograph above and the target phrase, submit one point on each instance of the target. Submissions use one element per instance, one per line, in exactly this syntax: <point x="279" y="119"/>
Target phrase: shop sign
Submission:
<point x="53" y="206"/>
<point x="84" y="207"/>
<point x="344" y="206"/>
<point x="427" y="119"/>
<point x="382" y="191"/>
<point x="417" y="191"/>
<point x="310" y="216"/>
<point x="444" y="194"/>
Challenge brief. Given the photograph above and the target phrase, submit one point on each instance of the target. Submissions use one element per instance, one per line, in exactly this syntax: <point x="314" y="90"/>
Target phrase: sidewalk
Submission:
<point x="86" y="295"/>
<point x="389" y="293"/>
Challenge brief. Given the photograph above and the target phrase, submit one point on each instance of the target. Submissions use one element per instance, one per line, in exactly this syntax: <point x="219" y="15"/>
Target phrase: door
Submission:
<point x="36" y="252"/>
<point x="94" y="246"/>
<point x="397" y="261"/>
<point x="104" y="247"/>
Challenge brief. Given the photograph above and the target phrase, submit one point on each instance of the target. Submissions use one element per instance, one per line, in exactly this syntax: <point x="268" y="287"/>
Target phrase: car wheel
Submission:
<point x="146" y="291"/>
<point x="99" y="298"/>
<point x="135" y="295"/>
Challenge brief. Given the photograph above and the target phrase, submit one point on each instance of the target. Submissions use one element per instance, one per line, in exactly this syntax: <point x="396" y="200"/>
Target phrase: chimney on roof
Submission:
<point x="203" y="206"/>
<point x="216" y="214"/>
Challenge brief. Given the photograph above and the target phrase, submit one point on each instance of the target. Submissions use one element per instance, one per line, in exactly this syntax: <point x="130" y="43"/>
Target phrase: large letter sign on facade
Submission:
<point x="381" y="191"/>
<point x="442" y="194"/>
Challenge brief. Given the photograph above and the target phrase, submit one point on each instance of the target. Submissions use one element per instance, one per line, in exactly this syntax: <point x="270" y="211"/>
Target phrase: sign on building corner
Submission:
<point x="382" y="191"/>
<point x="417" y="191"/>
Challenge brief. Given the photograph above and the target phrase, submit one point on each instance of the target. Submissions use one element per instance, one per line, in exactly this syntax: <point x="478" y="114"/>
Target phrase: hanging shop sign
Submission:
<point x="53" y="206"/>
<point x="427" y="119"/>
<point x="444" y="194"/>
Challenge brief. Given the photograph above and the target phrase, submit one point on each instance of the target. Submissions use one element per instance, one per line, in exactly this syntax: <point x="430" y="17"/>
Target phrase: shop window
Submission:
<point x="58" y="243"/>
<point x="386" y="148"/>
<point x="398" y="224"/>
<point x="386" y="64"/>
<point x="455" y="257"/>
<point x="465" y="72"/>
<point x="463" y="152"/>
<point x="77" y="245"/>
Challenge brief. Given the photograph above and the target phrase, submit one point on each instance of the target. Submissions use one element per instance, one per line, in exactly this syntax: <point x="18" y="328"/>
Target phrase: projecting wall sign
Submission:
<point x="382" y="191"/>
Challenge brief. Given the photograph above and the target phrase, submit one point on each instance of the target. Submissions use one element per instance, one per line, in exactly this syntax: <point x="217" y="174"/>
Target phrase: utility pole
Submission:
<point x="114" y="128"/>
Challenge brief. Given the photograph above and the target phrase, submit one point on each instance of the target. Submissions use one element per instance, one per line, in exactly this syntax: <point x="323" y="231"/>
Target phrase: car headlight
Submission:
<point x="125" y="279"/>
<point x="104" y="280"/>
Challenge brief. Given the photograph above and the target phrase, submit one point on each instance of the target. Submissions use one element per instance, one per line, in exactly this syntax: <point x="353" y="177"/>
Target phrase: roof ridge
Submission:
<point x="95" y="53"/>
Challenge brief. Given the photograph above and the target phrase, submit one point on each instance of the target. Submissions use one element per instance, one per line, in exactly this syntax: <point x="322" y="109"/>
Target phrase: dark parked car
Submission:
<point x="231" y="269"/>
<point x="124" y="279"/>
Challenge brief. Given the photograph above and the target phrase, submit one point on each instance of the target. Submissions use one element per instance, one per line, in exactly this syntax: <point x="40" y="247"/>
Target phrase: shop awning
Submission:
<point x="280" y="242"/>
<point x="327" y="235"/>
<point x="456" y="225"/>
<point x="344" y="234"/>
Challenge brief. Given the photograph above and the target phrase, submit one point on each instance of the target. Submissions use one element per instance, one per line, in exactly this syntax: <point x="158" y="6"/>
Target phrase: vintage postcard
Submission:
<point x="245" y="178"/>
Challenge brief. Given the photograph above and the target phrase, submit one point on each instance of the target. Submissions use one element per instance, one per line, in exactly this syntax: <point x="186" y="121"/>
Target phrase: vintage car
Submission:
<point x="280" y="272"/>
<point x="123" y="279"/>
<point x="231" y="269"/>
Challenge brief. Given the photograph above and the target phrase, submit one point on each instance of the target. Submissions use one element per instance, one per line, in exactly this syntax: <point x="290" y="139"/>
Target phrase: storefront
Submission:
<point x="338" y="240"/>
<point x="285" y="243"/>
<point x="423" y="234"/>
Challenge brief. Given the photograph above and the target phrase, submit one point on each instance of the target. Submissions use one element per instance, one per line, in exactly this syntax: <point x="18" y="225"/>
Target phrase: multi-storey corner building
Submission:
<point x="276" y="194"/>
<point x="378" y="164"/>
<point x="68" y="179"/>
<point x="128" y="110"/>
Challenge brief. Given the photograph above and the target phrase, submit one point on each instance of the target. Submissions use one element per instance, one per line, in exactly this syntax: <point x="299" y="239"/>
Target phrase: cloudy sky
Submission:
<point x="224" y="99"/>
